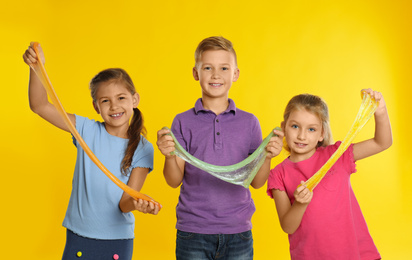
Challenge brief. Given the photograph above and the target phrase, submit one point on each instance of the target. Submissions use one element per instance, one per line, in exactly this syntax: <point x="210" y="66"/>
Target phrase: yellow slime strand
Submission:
<point x="42" y="74"/>
<point x="366" y="110"/>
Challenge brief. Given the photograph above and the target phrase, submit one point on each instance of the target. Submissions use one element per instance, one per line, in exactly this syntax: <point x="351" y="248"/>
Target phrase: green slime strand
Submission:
<point x="241" y="173"/>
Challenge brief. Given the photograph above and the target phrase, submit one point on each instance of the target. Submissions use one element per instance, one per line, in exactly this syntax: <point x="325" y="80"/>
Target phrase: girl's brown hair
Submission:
<point x="314" y="105"/>
<point x="136" y="127"/>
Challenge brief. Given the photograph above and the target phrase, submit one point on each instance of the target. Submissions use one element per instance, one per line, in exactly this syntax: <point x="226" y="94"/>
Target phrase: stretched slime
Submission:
<point x="366" y="110"/>
<point x="41" y="73"/>
<point x="241" y="173"/>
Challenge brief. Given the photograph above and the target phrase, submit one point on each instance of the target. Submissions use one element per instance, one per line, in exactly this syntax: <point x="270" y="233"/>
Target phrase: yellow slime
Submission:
<point x="42" y="74"/>
<point x="366" y="110"/>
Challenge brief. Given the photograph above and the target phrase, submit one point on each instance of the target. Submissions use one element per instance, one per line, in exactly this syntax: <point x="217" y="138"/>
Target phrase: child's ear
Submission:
<point x="236" y="75"/>
<point x="322" y="136"/>
<point x="96" y="108"/>
<point x="282" y="125"/>
<point x="136" y="99"/>
<point x="195" y="74"/>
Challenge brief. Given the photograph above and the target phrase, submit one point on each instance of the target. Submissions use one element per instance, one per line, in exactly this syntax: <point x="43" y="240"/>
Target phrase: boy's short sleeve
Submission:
<point x="177" y="132"/>
<point x="256" y="136"/>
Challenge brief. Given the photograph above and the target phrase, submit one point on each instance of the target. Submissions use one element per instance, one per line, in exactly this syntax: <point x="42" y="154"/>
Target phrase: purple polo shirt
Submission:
<point x="208" y="205"/>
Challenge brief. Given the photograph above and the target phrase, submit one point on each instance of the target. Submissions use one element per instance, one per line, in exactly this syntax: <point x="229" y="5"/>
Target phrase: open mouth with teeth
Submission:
<point x="300" y="145"/>
<point x="118" y="115"/>
<point x="216" y="84"/>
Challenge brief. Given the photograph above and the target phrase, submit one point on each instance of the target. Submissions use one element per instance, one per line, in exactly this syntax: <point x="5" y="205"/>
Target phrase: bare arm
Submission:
<point x="383" y="132"/>
<point x="173" y="169"/>
<point x="136" y="181"/>
<point x="273" y="148"/>
<point x="38" y="100"/>
<point x="290" y="216"/>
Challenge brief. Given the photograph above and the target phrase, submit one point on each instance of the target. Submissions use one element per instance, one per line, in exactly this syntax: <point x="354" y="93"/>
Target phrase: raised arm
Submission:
<point x="273" y="148"/>
<point x="174" y="166"/>
<point x="383" y="132"/>
<point x="38" y="100"/>
<point x="290" y="216"/>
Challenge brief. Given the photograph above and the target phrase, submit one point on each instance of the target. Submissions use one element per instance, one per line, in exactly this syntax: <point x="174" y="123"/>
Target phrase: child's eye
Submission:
<point x="207" y="68"/>
<point x="122" y="97"/>
<point x="225" y="68"/>
<point x="295" y="126"/>
<point x="312" y="129"/>
<point x="105" y="100"/>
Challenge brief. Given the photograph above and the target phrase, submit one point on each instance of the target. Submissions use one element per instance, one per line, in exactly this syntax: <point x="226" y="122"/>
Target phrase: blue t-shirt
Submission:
<point x="208" y="205"/>
<point x="93" y="209"/>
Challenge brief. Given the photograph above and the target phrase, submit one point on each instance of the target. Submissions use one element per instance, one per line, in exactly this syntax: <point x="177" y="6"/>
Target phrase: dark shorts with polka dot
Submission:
<point x="83" y="248"/>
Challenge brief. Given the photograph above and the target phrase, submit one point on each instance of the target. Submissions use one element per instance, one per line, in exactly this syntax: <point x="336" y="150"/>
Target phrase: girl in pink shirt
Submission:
<point x="327" y="223"/>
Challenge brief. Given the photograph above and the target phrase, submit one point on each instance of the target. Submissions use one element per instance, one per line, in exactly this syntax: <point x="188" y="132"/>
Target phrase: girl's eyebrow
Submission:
<point x="310" y="125"/>
<point x="120" y="94"/>
<point x="292" y="121"/>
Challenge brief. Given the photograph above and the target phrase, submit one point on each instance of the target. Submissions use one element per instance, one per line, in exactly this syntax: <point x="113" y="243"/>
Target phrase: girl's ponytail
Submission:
<point x="136" y="128"/>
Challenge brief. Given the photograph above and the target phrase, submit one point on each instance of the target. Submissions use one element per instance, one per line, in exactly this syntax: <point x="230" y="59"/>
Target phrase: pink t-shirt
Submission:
<point x="333" y="226"/>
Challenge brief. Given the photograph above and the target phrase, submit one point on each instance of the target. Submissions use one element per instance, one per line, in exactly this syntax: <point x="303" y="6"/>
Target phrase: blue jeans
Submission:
<point x="190" y="246"/>
<point x="93" y="249"/>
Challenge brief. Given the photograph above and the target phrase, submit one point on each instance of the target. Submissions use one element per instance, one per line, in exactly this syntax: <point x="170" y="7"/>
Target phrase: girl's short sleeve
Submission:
<point x="346" y="160"/>
<point x="349" y="158"/>
<point x="143" y="156"/>
<point x="84" y="127"/>
<point x="275" y="181"/>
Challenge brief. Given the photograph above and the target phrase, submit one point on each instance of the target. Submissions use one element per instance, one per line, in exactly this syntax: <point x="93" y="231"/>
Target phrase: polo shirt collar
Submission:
<point x="199" y="106"/>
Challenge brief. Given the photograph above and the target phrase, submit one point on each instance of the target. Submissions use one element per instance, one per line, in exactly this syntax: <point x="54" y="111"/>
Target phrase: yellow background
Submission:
<point x="329" y="48"/>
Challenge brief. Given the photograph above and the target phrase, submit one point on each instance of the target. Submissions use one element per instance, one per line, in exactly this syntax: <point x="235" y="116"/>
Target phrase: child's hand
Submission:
<point x="302" y="194"/>
<point x="275" y="144"/>
<point x="378" y="97"/>
<point x="145" y="207"/>
<point x="30" y="56"/>
<point x="165" y="142"/>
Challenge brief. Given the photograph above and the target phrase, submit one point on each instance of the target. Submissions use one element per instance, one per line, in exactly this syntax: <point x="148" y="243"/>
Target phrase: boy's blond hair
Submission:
<point x="214" y="43"/>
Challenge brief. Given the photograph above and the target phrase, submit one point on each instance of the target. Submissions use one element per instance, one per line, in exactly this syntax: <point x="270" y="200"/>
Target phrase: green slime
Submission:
<point x="241" y="173"/>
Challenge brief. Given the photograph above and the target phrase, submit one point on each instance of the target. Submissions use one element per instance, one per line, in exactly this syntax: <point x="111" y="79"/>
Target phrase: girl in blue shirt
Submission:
<point x="99" y="221"/>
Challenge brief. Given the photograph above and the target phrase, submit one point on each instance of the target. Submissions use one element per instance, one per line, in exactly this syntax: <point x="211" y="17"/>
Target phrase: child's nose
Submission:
<point x="301" y="135"/>
<point x="113" y="105"/>
<point x="215" y="75"/>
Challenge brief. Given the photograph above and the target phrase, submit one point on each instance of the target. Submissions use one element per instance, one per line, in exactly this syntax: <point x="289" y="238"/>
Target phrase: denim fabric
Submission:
<point x="190" y="246"/>
<point x="92" y="249"/>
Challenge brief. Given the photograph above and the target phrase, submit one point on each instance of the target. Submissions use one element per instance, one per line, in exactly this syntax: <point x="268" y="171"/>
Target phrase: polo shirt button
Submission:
<point x="217" y="120"/>
<point x="218" y="133"/>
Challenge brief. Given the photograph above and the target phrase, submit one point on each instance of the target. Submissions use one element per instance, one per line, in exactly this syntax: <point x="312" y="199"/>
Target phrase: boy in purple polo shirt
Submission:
<point x="213" y="216"/>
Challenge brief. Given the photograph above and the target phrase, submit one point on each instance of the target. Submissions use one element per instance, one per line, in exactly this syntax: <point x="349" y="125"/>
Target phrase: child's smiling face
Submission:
<point x="216" y="71"/>
<point x="115" y="103"/>
<point x="303" y="131"/>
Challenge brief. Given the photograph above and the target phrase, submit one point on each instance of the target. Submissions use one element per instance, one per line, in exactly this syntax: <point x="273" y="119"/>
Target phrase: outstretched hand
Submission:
<point x="145" y="207"/>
